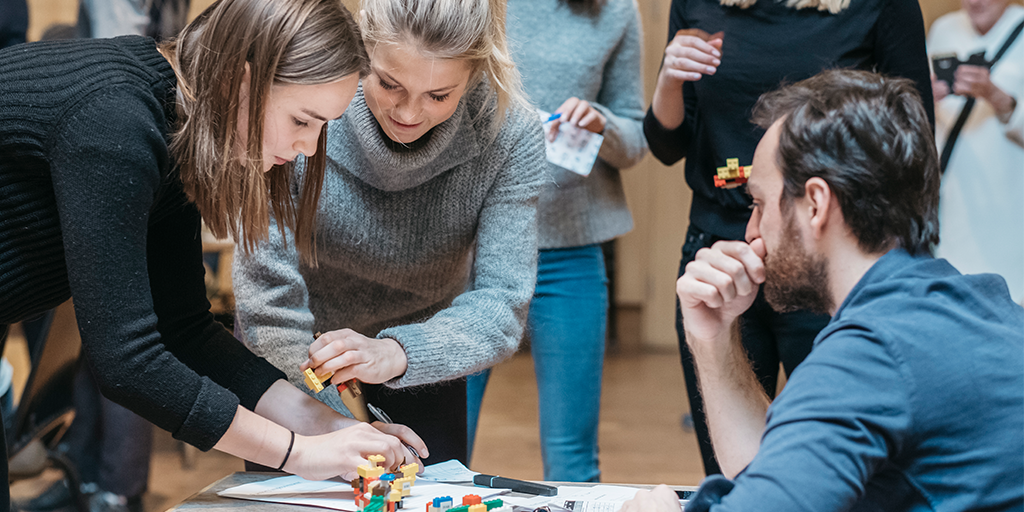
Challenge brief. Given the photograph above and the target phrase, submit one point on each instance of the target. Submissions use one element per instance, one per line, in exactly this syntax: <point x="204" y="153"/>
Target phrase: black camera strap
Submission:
<point x="954" y="133"/>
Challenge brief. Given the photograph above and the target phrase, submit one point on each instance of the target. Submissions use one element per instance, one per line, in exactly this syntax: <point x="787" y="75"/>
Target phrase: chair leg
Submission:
<point x="62" y="462"/>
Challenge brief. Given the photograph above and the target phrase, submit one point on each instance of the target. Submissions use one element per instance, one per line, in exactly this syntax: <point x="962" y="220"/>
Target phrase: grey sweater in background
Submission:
<point x="560" y="55"/>
<point x="400" y="236"/>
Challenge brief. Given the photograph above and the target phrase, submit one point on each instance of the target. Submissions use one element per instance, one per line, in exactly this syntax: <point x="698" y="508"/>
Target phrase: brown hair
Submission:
<point x="470" y="30"/>
<point x="304" y="42"/>
<point x="869" y="138"/>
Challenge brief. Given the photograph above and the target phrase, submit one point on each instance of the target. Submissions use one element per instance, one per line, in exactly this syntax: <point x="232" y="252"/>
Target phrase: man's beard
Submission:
<point x="795" y="280"/>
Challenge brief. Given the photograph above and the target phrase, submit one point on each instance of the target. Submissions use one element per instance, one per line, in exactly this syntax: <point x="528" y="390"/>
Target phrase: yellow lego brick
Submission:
<point x="375" y="460"/>
<point x="367" y="471"/>
<point x="410" y="469"/>
<point x="395" y="495"/>
<point x="479" y="507"/>
<point x="732" y="163"/>
<point x="312" y="382"/>
<point x="405" y="484"/>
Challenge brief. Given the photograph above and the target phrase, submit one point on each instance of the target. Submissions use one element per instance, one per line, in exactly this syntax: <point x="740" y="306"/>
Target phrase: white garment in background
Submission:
<point x="981" y="212"/>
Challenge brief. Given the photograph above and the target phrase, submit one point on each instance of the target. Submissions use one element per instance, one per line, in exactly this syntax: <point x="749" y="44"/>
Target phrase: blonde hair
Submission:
<point x="469" y="30"/>
<point x="282" y="42"/>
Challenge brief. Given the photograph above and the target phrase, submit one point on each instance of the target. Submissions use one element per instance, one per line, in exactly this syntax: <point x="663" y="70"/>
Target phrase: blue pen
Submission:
<point x="553" y="117"/>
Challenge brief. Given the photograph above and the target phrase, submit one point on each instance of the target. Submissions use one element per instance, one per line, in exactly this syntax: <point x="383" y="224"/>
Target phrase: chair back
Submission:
<point x="46" y="410"/>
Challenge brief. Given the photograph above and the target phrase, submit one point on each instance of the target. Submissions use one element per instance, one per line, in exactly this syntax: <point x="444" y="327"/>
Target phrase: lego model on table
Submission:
<point x="377" y="490"/>
<point x="470" y="503"/>
<point x="733" y="174"/>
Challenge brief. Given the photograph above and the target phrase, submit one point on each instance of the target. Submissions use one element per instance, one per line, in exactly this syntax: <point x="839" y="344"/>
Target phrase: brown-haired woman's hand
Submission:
<point x="351" y="355"/>
<point x="409" y="439"/>
<point x="339" y="453"/>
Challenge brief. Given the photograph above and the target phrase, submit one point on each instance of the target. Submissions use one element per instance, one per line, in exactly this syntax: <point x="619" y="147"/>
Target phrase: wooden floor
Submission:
<point x="641" y="437"/>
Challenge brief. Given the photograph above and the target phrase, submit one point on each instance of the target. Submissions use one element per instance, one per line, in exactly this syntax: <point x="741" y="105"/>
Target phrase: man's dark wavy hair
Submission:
<point x="869" y="138"/>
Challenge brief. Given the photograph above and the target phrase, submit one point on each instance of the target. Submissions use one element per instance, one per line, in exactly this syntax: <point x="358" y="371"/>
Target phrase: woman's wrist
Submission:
<point x="1003" y="104"/>
<point x="667" y="104"/>
<point x="399" y="359"/>
<point x="288" y="452"/>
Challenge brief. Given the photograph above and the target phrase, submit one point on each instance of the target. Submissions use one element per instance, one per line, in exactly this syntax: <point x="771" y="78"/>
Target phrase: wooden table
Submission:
<point x="207" y="500"/>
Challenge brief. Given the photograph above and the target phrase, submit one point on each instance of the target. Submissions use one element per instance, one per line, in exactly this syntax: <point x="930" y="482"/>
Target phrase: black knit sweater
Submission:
<point x="91" y="208"/>
<point x="766" y="45"/>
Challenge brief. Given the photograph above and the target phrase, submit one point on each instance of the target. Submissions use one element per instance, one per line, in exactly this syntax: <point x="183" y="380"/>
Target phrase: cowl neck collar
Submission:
<point x="360" y="146"/>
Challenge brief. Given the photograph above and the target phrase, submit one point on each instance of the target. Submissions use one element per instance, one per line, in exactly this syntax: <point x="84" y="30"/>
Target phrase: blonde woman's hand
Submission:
<point x="578" y="113"/>
<point x="351" y="355"/>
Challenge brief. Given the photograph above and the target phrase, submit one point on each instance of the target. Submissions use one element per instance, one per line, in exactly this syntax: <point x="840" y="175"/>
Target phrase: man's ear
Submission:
<point x="821" y="202"/>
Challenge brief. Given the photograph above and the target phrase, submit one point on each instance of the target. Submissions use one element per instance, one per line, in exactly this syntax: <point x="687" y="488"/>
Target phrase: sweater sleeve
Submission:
<point x="844" y="413"/>
<point x="272" y="306"/>
<point x="621" y="100"/>
<point x="899" y="48"/>
<point x="485" y="324"/>
<point x="670" y="146"/>
<point x="106" y="177"/>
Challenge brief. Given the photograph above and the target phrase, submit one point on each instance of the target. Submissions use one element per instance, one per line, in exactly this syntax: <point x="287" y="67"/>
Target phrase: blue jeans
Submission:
<point x="566" y="325"/>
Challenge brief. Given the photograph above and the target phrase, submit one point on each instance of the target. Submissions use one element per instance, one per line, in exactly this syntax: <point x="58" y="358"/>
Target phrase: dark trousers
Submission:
<point x="768" y="337"/>
<point x="108" y="444"/>
<point x="437" y="413"/>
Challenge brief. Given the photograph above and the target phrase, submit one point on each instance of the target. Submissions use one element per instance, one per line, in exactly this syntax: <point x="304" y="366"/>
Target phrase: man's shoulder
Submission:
<point x="908" y="298"/>
<point x="920" y="310"/>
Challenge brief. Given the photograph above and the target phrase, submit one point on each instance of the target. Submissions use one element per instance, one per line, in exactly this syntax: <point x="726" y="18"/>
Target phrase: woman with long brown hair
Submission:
<point x="112" y="151"/>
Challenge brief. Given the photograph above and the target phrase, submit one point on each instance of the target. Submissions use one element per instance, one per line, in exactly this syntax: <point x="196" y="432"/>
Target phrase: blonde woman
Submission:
<point x="426" y="238"/>
<point x="112" y="150"/>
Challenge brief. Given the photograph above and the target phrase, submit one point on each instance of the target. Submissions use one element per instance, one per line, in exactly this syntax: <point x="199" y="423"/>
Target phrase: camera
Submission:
<point x="945" y="65"/>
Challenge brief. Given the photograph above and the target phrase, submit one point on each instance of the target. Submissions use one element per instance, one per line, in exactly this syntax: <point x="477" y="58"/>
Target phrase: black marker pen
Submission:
<point x="499" y="482"/>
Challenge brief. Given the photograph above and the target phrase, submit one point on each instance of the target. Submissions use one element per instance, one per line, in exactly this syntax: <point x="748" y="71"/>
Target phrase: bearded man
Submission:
<point x="913" y="395"/>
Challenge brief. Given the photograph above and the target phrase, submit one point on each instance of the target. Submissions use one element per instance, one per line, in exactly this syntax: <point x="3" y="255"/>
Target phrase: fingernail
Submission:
<point x="717" y="62"/>
<point x="711" y="70"/>
<point x="716" y="53"/>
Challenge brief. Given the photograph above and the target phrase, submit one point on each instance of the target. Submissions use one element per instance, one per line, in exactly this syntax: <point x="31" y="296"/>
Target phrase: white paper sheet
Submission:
<point x="574" y="149"/>
<point x="451" y="471"/>
<point x="597" y="498"/>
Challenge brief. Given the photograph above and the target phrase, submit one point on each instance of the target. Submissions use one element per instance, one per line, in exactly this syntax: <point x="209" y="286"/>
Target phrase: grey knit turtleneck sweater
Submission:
<point x="435" y="247"/>
<point x="596" y="58"/>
